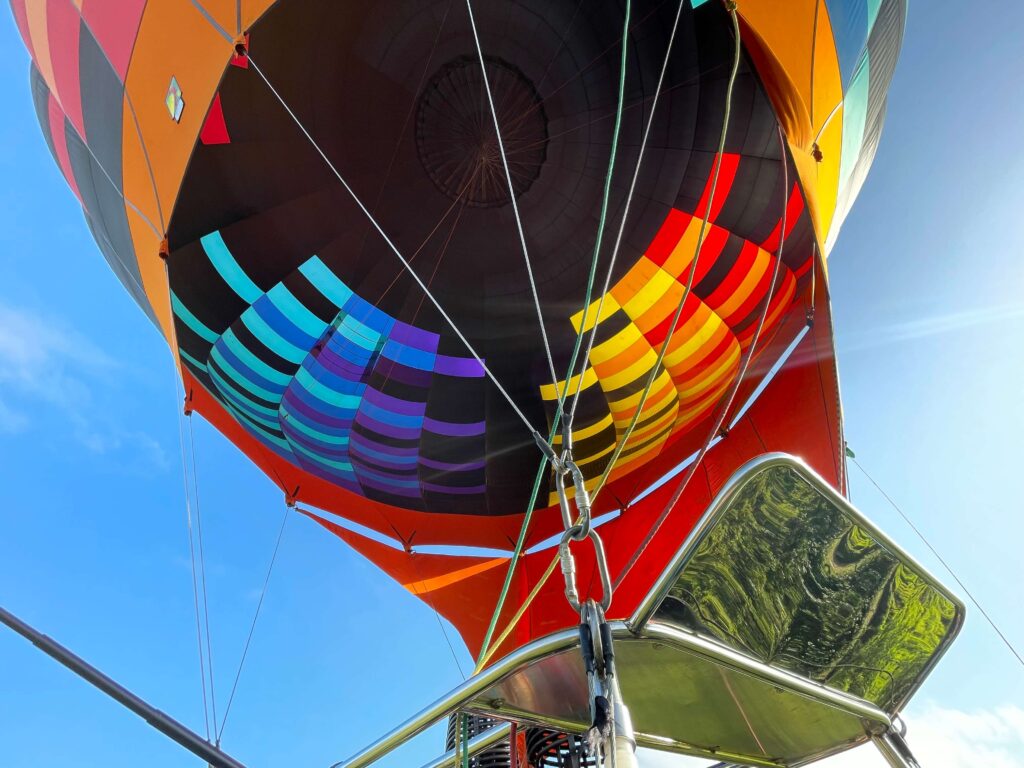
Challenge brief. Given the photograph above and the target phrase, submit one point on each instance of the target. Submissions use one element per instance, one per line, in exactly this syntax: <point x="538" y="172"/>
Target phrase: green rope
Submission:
<point x="656" y="369"/>
<point x="521" y="541"/>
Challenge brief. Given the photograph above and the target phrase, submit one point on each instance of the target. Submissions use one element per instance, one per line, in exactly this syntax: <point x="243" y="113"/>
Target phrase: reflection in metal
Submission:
<point x="497" y="756"/>
<point x="496" y="737"/>
<point x="786" y="629"/>
<point x="785" y="571"/>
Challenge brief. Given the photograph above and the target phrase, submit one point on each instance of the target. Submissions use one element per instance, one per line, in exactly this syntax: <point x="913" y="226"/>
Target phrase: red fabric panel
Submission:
<point x="794" y="207"/>
<point x="726" y="176"/>
<point x="215" y="129"/>
<point x="21" y="19"/>
<point x="63" y="27"/>
<point x="115" y="26"/>
<point x="790" y="416"/>
<point x="422" y="527"/>
<point x="58" y="135"/>
<point x="467" y="603"/>
<point x="734" y="278"/>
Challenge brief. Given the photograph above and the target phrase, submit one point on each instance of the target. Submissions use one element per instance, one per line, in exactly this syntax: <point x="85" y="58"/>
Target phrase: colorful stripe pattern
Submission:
<point x="335" y="385"/>
<point x="716" y="327"/>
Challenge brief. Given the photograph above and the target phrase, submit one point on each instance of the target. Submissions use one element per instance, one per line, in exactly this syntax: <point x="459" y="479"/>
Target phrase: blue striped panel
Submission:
<point x="244" y="355"/>
<point x="325" y="281"/>
<point x="219" y="255"/>
<point x="296" y="311"/>
<point x="271" y="338"/>
<point x="193" y="322"/>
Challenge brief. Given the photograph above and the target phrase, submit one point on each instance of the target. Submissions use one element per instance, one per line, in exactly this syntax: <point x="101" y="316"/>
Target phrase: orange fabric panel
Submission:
<point x="466" y="602"/>
<point x="138" y="189"/>
<point x="174" y="40"/>
<point x="796" y="57"/>
<point x="226" y="13"/>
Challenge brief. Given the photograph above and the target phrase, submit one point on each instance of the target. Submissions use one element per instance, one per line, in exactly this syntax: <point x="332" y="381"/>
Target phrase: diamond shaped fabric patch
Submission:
<point x="174" y="101"/>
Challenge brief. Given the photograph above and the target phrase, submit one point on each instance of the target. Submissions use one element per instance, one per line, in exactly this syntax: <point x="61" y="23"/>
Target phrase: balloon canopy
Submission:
<point x="309" y="199"/>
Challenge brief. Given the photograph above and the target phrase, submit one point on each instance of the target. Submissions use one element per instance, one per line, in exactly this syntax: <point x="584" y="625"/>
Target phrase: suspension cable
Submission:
<point x="188" y="508"/>
<point x="606" y="196"/>
<point x="561" y="391"/>
<point x="252" y="627"/>
<point x="202" y="575"/>
<point x="488" y="650"/>
<point x="622" y="223"/>
<point x="941" y="559"/>
<point x="726" y="404"/>
<point x="394" y="249"/>
<point x="656" y="368"/>
<point x="512" y="195"/>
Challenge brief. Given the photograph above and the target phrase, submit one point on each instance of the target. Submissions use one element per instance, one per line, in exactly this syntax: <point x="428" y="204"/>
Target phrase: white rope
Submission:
<point x="252" y="626"/>
<point x="716" y="168"/>
<point x="394" y="249"/>
<point x="202" y="574"/>
<point x="622" y="223"/>
<point x="512" y="196"/>
<point x="726" y="404"/>
<point x="970" y="595"/>
<point x="188" y="508"/>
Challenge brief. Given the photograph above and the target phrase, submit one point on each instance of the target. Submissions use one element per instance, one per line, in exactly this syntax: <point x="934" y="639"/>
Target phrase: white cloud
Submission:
<point x="940" y="737"/>
<point x="934" y="325"/>
<point x="47" y="366"/>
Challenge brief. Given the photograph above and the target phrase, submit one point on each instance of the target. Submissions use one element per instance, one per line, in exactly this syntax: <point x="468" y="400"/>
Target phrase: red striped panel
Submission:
<point x="794" y="207"/>
<point x="115" y="27"/>
<point x="668" y="236"/>
<point x="58" y="135"/>
<point x="726" y="176"/>
<point x="656" y="336"/>
<point x="755" y="301"/>
<point x="63" y="26"/>
<point x="734" y="279"/>
<point x="21" y="19"/>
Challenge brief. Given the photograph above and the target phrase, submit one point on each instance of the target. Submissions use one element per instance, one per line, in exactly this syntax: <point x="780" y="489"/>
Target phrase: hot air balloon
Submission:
<point x="534" y="276"/>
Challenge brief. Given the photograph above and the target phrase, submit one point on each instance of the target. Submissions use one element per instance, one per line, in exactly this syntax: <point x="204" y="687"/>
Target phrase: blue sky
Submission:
<point x="926" y="282"/>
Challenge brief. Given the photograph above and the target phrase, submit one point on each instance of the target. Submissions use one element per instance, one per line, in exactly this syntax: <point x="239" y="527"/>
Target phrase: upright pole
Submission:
<point x="168" y="726"/>
<point x="894" y="749"/>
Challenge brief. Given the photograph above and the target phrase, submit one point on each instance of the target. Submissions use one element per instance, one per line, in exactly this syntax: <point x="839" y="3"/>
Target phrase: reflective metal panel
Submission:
<point x="693" y="696"/>
<point x="786" y="572"/>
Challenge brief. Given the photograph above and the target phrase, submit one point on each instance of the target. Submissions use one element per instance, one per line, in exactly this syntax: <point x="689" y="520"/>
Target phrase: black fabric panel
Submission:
<point x="364" y="79"/>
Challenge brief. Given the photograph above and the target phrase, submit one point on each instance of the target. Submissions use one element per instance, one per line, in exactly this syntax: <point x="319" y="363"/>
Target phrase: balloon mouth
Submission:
<point x="456" y="141"/>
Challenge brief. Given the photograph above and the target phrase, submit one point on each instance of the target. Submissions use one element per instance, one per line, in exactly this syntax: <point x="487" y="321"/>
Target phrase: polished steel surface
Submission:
<point x="782" y="569"/>
<point x="895" y="751"/>
<point x="476" y="745"/>
<point x="167" y="725"/>
<point x="458" y="697"/>
<point x="692" y="695"/>
<point x="786" y="629"/>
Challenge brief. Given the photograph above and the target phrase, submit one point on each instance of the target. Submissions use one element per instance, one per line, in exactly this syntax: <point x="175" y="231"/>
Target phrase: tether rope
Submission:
<point x="656" y="369"/>
<point x="726" y="404"/>
<point x="622" y="223"/>
<point x="394" y="249"/>
<point x="252" y="627"/>
<point x="202" y="574"/>
<point x="563" y="390"/>
<point x="188" y="507"/>
<point x="512" y="195"/>
<point x="941" y="559"/>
